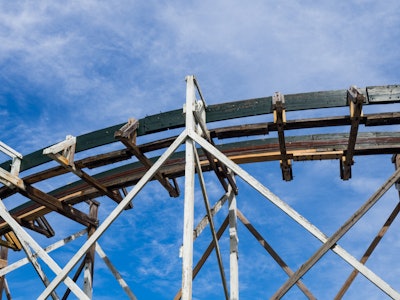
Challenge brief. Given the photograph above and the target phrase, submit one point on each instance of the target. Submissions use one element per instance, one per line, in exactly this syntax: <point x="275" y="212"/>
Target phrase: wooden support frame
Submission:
<point x="273" y="254"/>
<point x="219" y="169"/>
<point x="278" y="106"/>
<point x="40" y="225"/>
<point x="127" y="135"/>
<point x="29" y="243"/>
<point x="11" y="241"/>
<point x="381" y="284"/>
<point x="355" y="99"/>
<point x="192" y="138"/>
<point x="205" y="255"/>
<point x="211" y="222"/>
<point x="12" y="180"/>
<point x="115" y="273"/>
<point x="66" y="159"/>
<point x="376" y="240"/>
<point x="3" y="264"/>
<point x="330" y="243"/>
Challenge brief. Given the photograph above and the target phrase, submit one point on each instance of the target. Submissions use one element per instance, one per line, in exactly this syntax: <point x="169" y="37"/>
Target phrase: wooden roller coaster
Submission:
<point x="213" y="144"/>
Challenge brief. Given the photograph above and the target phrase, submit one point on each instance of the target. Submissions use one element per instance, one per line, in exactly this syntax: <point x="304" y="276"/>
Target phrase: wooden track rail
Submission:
<point x="246" y="143"/>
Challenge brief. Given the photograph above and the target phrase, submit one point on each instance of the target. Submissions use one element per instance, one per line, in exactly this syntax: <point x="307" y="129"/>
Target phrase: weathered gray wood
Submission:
<point x="273" y="253"/>
<point x="383" y="94"/>
<point x="331" y="242"/>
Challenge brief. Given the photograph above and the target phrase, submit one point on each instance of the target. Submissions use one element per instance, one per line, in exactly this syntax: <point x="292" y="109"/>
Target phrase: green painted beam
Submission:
<point x="220" y="112"/>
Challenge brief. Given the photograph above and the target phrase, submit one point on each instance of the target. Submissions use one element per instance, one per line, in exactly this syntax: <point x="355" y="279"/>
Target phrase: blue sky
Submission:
<point x="71" y="68"/>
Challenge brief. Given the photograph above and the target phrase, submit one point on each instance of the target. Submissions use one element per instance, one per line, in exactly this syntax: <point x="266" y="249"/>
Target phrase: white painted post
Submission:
<point x="188" y="215"/>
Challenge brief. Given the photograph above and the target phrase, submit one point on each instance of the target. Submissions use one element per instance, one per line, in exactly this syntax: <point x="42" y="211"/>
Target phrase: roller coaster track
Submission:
<point x="286" y="138"/>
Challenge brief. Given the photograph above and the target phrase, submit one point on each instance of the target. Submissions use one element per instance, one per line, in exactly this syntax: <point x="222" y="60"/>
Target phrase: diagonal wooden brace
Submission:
<point x="44" y="199"/>
<point x="278" y="105"/>
<point x="66" y="159"/>
<point x="355" y="99"/>
<point x="220" y="170"/>
<point x="40" y="225"/>
<point x="127" y="135"/>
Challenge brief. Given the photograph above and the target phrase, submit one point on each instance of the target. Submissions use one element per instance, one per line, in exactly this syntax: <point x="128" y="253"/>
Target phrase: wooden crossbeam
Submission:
<point x="66" y="160"/>
<point x="56" y="205"/>
<point x="127" y="135"/>
<point x="219" y="169"/>
<point x="11" y="241"/>
<point x="205" y="255"/>
<point x="40" y="225"/>
<point x="273" y="253"/>
<point x="278" y="105"/>
<point x="355" y="99"/>
<point x="45" y="199"/>
<point x="376" y="240"/>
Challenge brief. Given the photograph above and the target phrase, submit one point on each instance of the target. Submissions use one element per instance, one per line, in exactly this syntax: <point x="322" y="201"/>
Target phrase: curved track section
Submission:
<point x="255" y="147"/>
<point x="115" y="158"/>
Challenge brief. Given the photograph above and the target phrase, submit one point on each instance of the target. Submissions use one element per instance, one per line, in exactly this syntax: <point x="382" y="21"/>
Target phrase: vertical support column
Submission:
<point x="3" y="264"/>
<point x="188" y="216"/>
<point x="234" y="256"/>
<point x="396" y="161"/>
<point x="89" y="258"/>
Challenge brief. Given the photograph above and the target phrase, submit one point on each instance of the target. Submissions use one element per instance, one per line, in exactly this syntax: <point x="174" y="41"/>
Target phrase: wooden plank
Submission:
<point x="383" y="94"/>
<point x="273" y="253"/>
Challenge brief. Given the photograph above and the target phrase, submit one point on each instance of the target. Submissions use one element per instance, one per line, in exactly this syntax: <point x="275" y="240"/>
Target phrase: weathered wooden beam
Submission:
<point x="376" y="240"/>
<point x="278" y="105"/>
<point x="330" y="243"/>
<point x="87" y="264"/>
<point x="40" y="225"/>
<point x="212" y="226"/>
<point x="219" y="169"/>
<point x="127" y="135"/>
<point x="3" y="264"/>
<point x="56" y="205"/>
<point x="356" y="100"/>
<point x="369" y="251"/>
<point x="66" y="160"/>
<point x="205" y="255"/>
<point x="273" y="253"/>
<point x="311" y="147"/>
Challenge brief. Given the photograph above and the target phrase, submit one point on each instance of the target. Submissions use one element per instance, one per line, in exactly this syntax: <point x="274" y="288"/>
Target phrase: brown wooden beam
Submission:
<point x="369" y="251"/>
<point x="273" y="254"/>
<point x="127" y="135"/>
<point x="356" y="100"/>
<point x="66" y="160"/>
<point x="40" y="225"/>
<point x="45" y="199"/>
<point x="376" y="240"/>
<point x="278" y="105"/>
<point x="54" y="204"/>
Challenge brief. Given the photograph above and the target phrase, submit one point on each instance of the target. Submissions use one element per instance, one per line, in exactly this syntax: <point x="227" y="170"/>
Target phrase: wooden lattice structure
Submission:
<point x="204" y="151"/>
